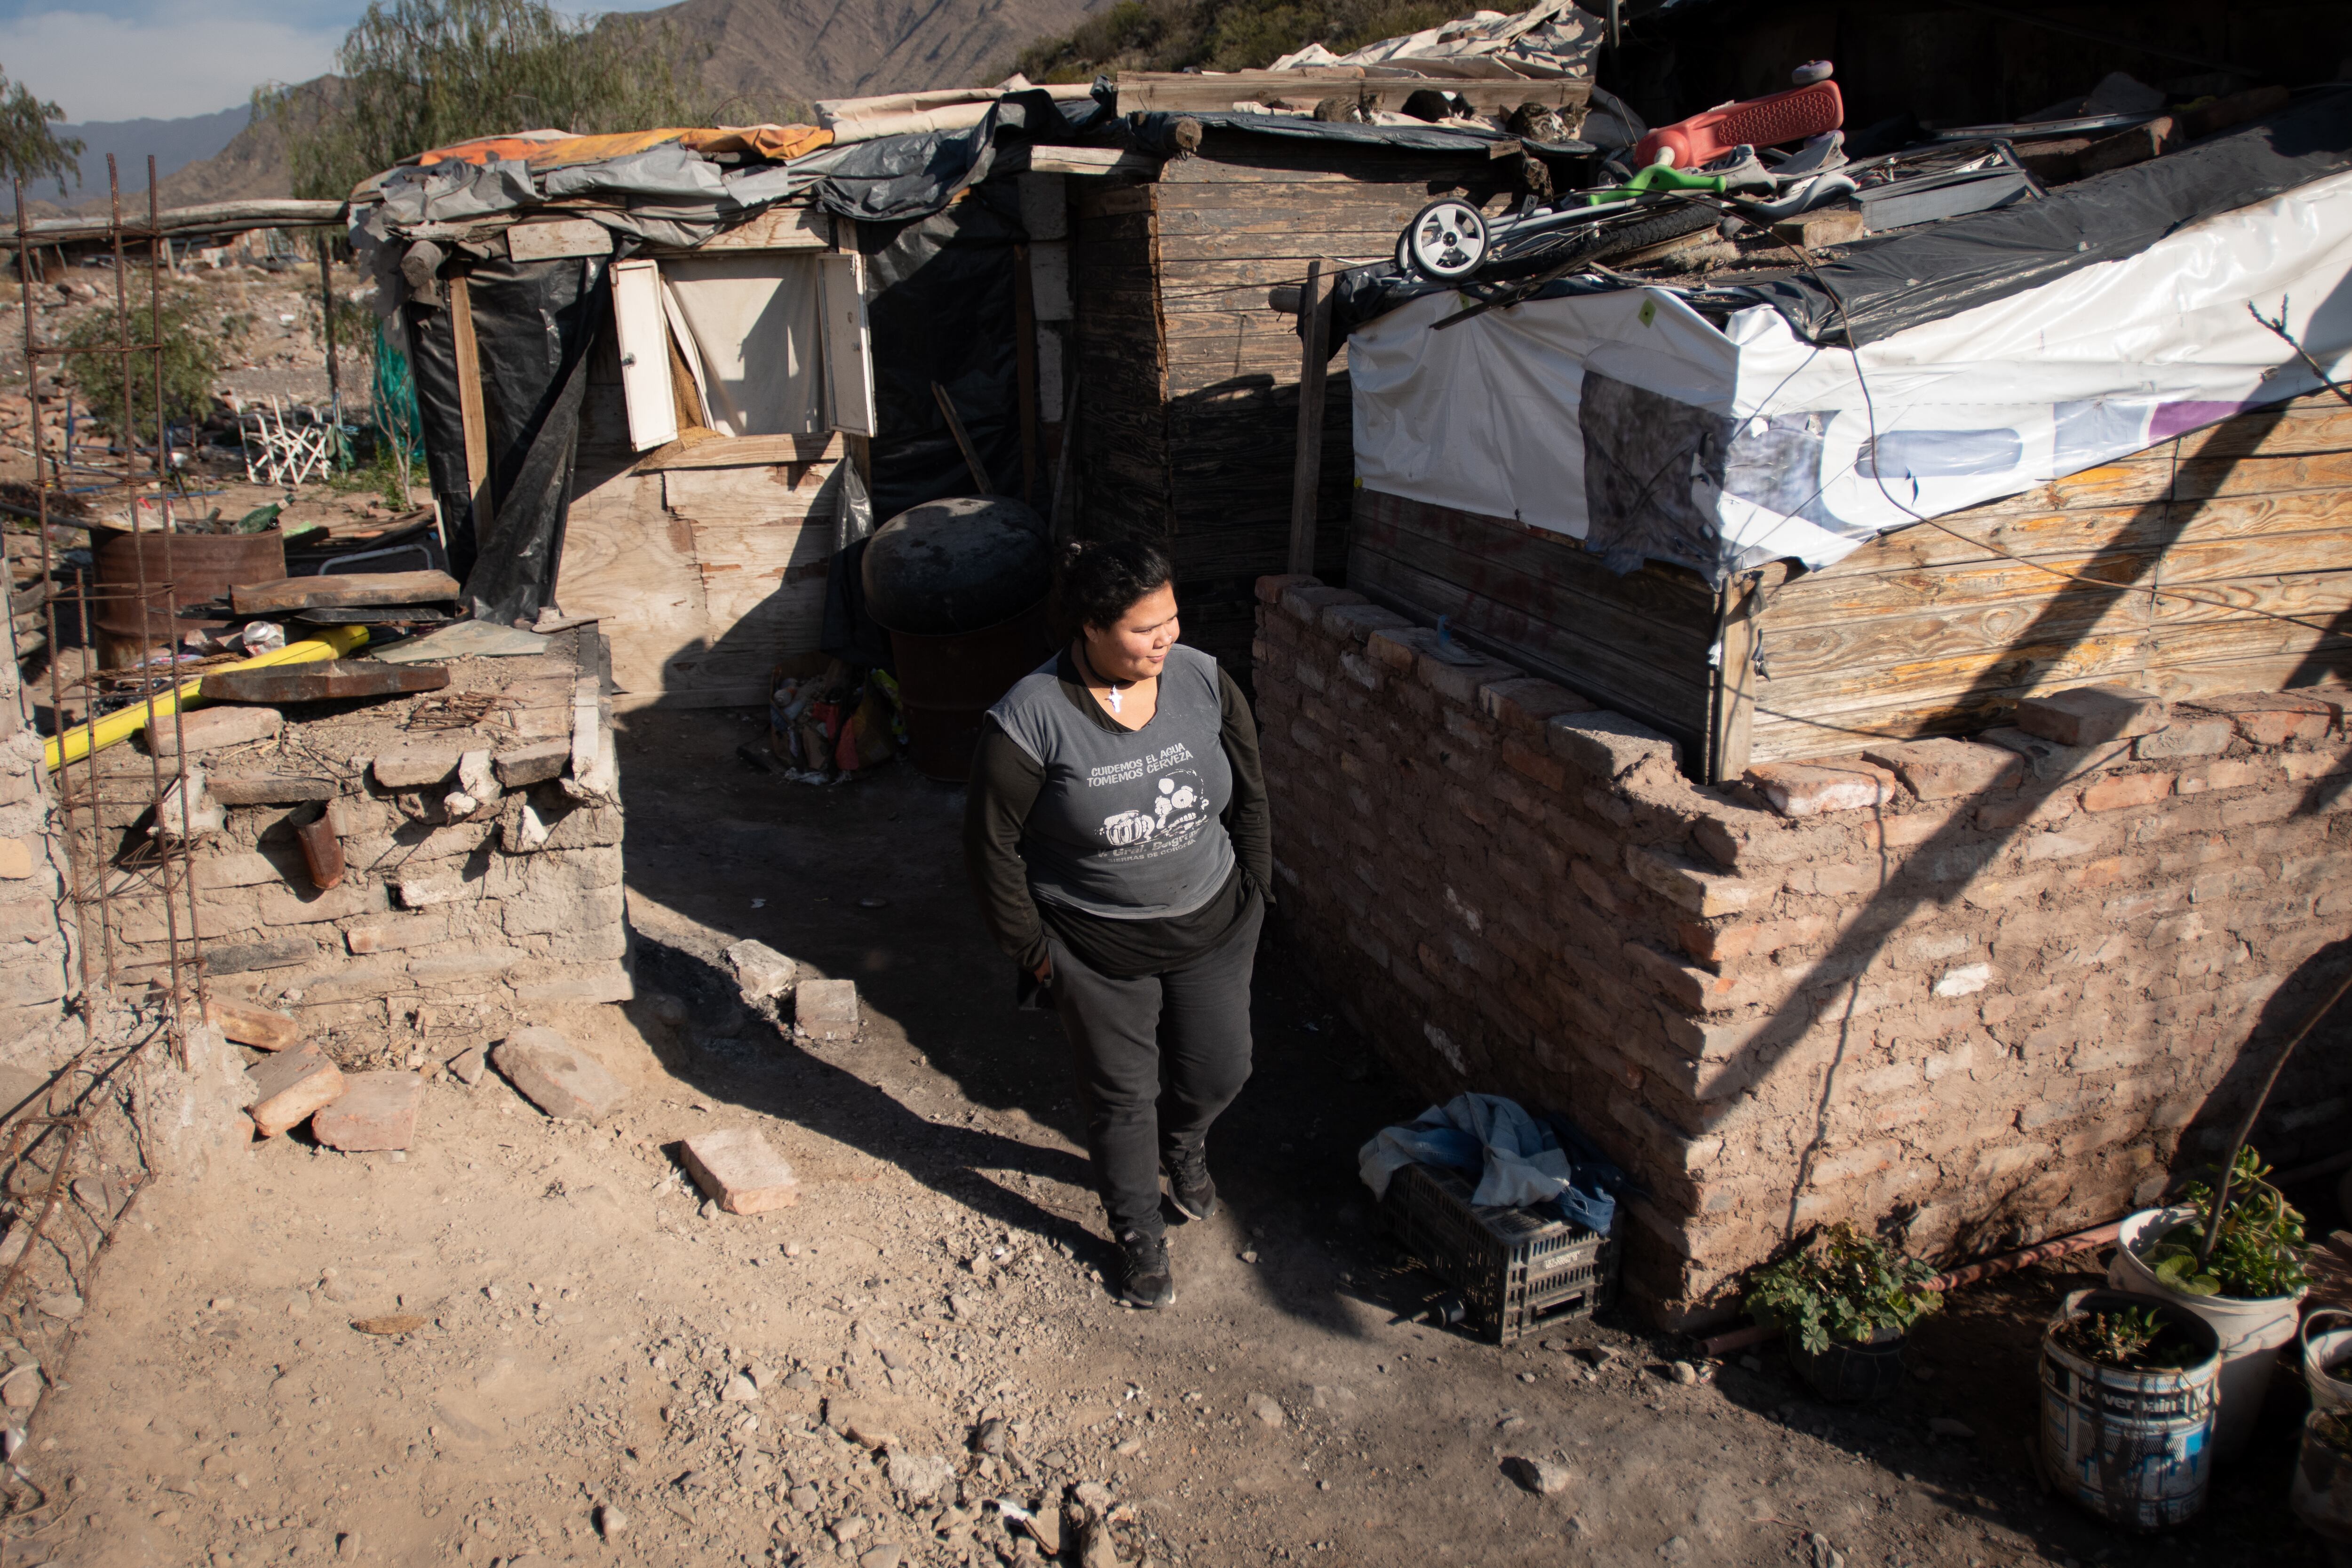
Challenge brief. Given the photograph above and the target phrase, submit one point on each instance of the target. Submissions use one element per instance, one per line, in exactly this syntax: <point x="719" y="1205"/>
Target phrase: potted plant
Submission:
<point x="2244" y="1276"/>
<point x="1843" y="1302"/>
<point x="2128" y="1402"/>
<point x="2321" y="1495"/>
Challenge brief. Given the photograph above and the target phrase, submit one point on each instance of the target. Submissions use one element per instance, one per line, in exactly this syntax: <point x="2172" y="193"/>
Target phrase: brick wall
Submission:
<point x="1994" y="989"/>
<point x="32" y="947"/>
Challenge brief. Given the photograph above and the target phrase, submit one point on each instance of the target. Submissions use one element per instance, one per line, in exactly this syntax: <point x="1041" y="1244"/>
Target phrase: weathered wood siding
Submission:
<point x="1925" y="632"/>
<point x="705" y="577"/>
<point x="1189" y="410"/>
<point x="1934" y="629"/>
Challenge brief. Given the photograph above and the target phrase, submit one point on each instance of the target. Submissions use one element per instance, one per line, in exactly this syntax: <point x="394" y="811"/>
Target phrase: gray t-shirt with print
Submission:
<point x="1127" y="826"/>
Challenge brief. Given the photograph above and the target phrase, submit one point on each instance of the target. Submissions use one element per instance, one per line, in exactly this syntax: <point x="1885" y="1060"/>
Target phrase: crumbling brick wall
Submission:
<point x="1990" y="990"/>
<point x="33" y="946"/>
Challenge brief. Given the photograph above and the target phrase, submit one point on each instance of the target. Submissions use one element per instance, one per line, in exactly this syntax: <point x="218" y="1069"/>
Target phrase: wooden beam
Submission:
<point x="1306" y="469"/>
<point x="469" y="407"/>
<point x="1180" y="91"/>
<point x="214" y="217"/>
<point x="1732" y="704"/>
<point x="742" y="452"/>
<point x="981" y="486"/>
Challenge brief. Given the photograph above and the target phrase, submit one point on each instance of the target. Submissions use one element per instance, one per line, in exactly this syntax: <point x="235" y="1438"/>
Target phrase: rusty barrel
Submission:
<point x="959" y="584"/>
<point x="203" y="567"/>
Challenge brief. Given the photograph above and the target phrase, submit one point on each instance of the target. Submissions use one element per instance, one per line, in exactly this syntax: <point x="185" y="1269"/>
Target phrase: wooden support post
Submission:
<point x="1024" y="366"/>
<point x="469" y="407"/>
<point x="1307" y="474"/>
<point x="327" y="320"/>
<point x="1731" y="710"/>
<point x="980" y="486"/>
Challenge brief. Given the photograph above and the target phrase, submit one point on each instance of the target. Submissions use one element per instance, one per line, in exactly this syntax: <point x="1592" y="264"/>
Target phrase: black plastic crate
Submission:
<point x="1517" y="1269"/>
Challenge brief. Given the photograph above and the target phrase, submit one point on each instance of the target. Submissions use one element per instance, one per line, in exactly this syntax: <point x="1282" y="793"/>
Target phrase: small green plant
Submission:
<point x="2136" y="1339"/>
<point x="2259" y="1253"/>
<point x="191" y="362"/>
<point x="1842" y="1286"/>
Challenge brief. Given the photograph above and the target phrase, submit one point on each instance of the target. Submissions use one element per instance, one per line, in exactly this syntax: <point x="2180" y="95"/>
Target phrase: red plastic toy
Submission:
<point x="1790" y="116"/>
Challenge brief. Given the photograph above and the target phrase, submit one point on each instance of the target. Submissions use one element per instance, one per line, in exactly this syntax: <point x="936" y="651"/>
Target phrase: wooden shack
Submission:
<point x="1928" y="629"/>
<point x="1188" y="404"/>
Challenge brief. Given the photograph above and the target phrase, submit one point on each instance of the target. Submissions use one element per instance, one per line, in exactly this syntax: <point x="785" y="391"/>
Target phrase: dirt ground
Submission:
<point x="591" y="1332"/>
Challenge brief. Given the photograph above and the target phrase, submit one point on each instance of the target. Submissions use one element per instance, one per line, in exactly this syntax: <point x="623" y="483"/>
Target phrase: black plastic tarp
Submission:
<point x="1881" y="287"/>
<point x="533" y="324"/>
<point x="939" y="305"/>
<point x="894" y="178"/>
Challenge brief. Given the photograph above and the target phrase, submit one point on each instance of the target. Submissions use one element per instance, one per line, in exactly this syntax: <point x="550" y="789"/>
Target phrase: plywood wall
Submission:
<point x="705" y="575"/>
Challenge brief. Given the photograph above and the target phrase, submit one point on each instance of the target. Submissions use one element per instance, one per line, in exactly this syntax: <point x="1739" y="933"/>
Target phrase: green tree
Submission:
<point x="192" y="360"/>
<point x="420" y="74"/>
<point x="29" y="149"/>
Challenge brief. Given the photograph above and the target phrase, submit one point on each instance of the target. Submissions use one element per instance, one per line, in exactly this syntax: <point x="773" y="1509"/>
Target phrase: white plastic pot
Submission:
<point x="2322" y="1351"/>
<point x="2252" y="1333"/>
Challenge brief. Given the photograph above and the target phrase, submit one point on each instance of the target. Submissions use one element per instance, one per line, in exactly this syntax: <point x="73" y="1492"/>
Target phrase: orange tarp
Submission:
<point x="542" y="150"/>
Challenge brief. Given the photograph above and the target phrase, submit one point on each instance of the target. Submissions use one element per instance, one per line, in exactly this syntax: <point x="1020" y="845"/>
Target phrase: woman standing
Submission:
<point x="1117" y="832"/>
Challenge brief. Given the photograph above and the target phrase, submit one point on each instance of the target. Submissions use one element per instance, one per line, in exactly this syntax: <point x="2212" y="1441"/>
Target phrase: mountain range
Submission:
<point x="761" y="60"/>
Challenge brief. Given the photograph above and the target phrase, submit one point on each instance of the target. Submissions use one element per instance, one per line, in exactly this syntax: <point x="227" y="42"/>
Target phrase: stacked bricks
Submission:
<point x="1994" y="988"/>
<point x="34" y="950"/>
<point x="486" y="914"/>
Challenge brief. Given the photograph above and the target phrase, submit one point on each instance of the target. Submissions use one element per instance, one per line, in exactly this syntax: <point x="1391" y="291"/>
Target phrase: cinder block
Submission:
<point x="377" y="1110"/>
<point x="290" y="1086"/>
<point x="211" y="729"/>
<point x="2088" y="715"/>
<point x="1811" y="789"/>
<point x="1941" y="769"/>
<point x="736" y="1167"/>
<point x="557" y="1076"/>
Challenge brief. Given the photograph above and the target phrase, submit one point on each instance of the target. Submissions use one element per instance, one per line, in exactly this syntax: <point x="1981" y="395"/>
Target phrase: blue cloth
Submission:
<point x="1520" y="1161"/>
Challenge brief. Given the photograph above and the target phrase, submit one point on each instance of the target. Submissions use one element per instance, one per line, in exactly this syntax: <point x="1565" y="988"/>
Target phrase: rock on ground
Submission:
<point x="557" y="1076"/>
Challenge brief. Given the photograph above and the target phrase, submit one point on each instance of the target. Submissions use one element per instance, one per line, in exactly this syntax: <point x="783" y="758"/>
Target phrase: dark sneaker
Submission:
<point x="1189" y="1183"/>
<point x="1146" y="1281"/>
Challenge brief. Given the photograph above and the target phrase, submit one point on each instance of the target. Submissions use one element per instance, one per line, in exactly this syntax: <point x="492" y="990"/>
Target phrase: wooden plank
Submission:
<point x="2047" y="533"/>
<point x="554" y="241"/>
<point x="630" y="562"/>
<point x="342" y="589"/>
<point x="1732" y="710"/>
<point x="1246" y="159"/>
<point x="1094" y="201"/>
<point x="764" y="497"/>
<point x="1177" y="92"/>
<point x="743" y="452"/>
<point x="474" y="421"/>
<point x="1315" y="307"/>
<point x="777" y="228"/>
<point x="1591" y="667"/>
<point x="323" y="682"/>
<point x="269" y="789"/>
<point x="641" y="335"/>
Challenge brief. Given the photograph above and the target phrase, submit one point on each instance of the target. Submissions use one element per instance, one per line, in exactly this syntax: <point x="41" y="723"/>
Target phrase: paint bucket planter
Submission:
<point x="1849" y="1374"/>
<point x="2133" y="1448"/>
<point x="2327" y="1353"/>
<point x="2321" y="1496"/>
<point x="2252" y="1333"/>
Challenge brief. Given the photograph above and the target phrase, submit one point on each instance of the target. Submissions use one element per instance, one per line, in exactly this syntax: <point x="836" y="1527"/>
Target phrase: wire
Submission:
<point x="1807" y="260"/>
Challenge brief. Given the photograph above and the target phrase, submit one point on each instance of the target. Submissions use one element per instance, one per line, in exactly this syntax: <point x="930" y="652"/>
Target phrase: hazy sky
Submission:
<point x="126" y="59"/>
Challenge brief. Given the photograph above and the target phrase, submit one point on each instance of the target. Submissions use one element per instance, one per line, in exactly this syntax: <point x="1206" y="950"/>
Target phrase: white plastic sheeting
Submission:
<point x="752" y="319"/>
<point x="1629" y="421"/>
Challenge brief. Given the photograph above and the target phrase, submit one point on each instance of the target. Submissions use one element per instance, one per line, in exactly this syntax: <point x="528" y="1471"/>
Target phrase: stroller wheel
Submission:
<point x="1447" y="240"/>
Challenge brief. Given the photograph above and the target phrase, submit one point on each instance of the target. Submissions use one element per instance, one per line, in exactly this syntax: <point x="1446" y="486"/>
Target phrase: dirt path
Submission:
<point x="590" y="1330"/>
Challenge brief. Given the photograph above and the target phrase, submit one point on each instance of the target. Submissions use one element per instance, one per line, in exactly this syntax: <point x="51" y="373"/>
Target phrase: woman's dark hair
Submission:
<point x="1100" y="580"/>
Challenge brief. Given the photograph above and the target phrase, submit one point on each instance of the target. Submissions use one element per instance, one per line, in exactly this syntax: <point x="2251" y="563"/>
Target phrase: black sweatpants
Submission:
<point x="1158" y="1057"/>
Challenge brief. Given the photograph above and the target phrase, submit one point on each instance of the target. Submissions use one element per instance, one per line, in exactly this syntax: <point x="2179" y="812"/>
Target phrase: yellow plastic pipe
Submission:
<point x="124" y="722"/>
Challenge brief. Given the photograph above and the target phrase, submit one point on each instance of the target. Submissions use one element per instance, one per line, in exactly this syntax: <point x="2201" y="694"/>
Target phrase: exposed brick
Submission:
<point x="376" y="1112"/>
<point x="2119" y="792"/>
<point x="1686" y="884"/>
<point x="289" y="1085"/>
<point x="211" y="728"/>
<point x="2088" y="715"/>
<point x="1270" y="589"/>
<point x="1941" y="769"/>
<point x="415" y="766"/>
<point x="2276" y="718"/>
<point x="1307" y="602"/>
<point x="557" y="1076"/>
<point x="1607" y="745"/>
<point x="1527" y="704"/>
<point x="1811" y="789"/>
<point x="1354" y="622"/>
<point x="737" y="1169"/>
<point x="2184" y="736"/>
